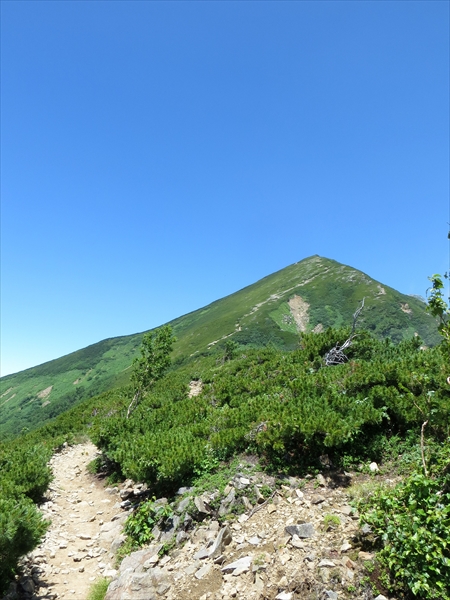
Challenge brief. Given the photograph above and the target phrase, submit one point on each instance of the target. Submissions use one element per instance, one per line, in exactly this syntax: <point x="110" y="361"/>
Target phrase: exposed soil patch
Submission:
<point x="299" y="311"/>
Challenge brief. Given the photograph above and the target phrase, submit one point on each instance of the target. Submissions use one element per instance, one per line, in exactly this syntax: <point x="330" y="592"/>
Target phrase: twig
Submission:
<point x="336" y="355"/>
<point x="259" y="506"/>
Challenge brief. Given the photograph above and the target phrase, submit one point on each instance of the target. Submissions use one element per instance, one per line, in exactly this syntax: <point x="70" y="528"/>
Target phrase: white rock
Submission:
<point x="373" y="467"/>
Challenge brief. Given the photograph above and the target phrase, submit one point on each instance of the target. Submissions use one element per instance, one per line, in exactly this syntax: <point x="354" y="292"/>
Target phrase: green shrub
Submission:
<point x="21" y="530"/>
<point x="140" y="524"/>
<point x="412" y="523"/>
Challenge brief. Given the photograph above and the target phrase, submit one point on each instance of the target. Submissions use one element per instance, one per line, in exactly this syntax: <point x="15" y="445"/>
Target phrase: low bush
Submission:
<point x="411" y="523"/>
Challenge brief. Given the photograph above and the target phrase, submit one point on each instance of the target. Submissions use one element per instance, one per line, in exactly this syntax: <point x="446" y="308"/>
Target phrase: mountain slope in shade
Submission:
<point x="310" y="295"/>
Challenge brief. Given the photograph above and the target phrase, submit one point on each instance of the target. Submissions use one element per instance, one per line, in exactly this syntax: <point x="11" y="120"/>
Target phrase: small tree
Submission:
<point x="438" y="307"/>
<point x="153" y="362"/>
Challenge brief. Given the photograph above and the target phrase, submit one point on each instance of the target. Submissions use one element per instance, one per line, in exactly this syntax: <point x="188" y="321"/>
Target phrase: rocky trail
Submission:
<point x="85" y="518"/>
<point x="300" y="543"/>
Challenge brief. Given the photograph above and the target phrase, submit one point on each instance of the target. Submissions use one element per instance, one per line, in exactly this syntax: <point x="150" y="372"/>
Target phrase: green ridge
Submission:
<point x="255" y="316"/>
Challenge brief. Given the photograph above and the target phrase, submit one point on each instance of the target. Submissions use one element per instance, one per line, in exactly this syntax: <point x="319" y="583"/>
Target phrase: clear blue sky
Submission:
<point x="157" y="156"/>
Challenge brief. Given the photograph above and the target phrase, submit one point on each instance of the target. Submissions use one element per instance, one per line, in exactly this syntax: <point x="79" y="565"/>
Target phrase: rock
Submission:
<point x="259" y="497"/>
<point x="365" y="556"/>
<point x="27" y="584"/>
<point x="118" y="542"/>
<point x="284" y="596"/>
<point x="321" y="480"/>
<point x="303" y="530"/>
<point x="203" y="508"/>
<point x="182" y="506"/>
<point x="346" y="510"/>
<point x="246" y="502"/>
<point x="203" y="571"/>
<point x="317" y="499"/>
<point x="242" y="563"/>
<point x="79" y="556"/>
<point x="254" y="541"/>
<point x="331" y="595"/>
<point x="201" y="554"/>
<point x="296" y="542"/>
<point x="345" y="547"/>
<point x="373" y="467"/>
<point x="244" y="481"/>
<point x="380" y="597"/>
<point x="227" y="502"/>
<point x="271" y="508"/>
<point x="326" y="563"/>
<point x="110" y="573"/>
<point x="184" y="490"/>
<point x="223" y="539"/>
<point x="366" y="529"/>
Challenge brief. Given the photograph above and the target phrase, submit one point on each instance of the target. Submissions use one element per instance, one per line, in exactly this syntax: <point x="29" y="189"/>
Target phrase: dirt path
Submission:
<point x="76" y="549"/>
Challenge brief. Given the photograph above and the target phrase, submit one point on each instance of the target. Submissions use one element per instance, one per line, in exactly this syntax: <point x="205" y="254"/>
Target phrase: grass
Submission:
<point x="98" y="589"/>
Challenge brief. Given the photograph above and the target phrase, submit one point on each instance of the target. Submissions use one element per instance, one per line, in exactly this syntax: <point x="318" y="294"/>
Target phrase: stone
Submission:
<point x="182" y="506"/>
<point x="365" y="556"/>
<point x="201" y="554"/>
<point x="346" y="510"/>
<point x="331" y="595"/>
<point x="321" y="480"/>
<point x="373" y="467"/>
<point x="246" y="502"/>
<point x="181" y="537"/>
<point x="184" y="490"/>
<point x="223" y="539"/>
<point x="380" y="597"/>
<point x="366" y="529"/>
<point x="259" y="497"/>
<point x="118" y="542"/>
<point x="254" y="541"/>
<point x="317" y="499"/>
<point x="302" y="530"/>
<point x="227" y="502"/>
<point x="284" y="596"/>
<point x="27" y="585"/>
<point x="326" y="563"/>
<point x="240" y="564"/>
<point x="296" y="542"/>
<point x="203" y="508"/>
<point x="345" y="547"/>
<point x="203" y="571"/>
<point x="79" y="556"/>
<point x="271" y="508"/>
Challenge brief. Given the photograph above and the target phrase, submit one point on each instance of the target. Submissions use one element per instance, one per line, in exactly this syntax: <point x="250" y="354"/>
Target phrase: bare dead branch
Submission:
<point x="336" y="355"/>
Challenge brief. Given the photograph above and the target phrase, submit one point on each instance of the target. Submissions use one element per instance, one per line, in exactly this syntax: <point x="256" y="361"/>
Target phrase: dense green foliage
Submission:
<point x="286" y="407"/>
<point x="412" y="525"/>
<point x="24" y="477"/>
<point x="255" y="316"/>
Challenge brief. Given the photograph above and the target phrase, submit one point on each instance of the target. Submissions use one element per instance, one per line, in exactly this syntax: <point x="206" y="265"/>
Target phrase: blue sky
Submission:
<point x="157" y="156"/>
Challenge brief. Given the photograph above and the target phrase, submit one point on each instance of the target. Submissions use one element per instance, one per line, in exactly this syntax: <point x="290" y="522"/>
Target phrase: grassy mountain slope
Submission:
<point x="312" y="294"/>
